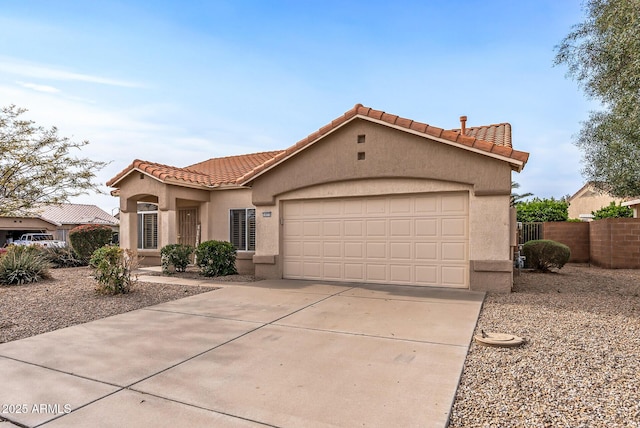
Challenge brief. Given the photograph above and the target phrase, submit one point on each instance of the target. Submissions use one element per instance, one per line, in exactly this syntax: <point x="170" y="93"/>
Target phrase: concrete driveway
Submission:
<point x="272" y="353"/>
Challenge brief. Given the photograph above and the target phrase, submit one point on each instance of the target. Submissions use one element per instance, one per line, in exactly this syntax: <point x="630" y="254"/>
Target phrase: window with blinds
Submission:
<point x="148" y="230"/>
<point x="242" y="229"/>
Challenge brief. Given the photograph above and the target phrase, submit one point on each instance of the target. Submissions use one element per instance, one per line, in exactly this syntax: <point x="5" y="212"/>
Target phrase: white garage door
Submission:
<point x="411" y="239"/>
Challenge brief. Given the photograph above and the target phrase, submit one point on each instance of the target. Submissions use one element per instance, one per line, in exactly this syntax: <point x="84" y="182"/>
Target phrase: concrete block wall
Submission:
<point x="572" y="234"/>
<point x="615" y="243"/>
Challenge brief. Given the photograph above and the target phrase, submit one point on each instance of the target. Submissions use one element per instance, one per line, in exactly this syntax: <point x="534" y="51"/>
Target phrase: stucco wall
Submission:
<point x="388" y="153"/>
<point x="395" y="162"/>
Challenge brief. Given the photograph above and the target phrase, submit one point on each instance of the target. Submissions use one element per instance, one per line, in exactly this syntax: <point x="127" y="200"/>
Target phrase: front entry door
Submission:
<point x="187" y="226"/>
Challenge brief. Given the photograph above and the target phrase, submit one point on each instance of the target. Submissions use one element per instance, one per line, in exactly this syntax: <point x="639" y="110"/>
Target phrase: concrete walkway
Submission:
<point x="271" y="353"/>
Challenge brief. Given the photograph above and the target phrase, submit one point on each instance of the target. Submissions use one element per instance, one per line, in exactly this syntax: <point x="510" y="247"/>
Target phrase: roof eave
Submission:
<point x="516" y="165"/>
<point x="134" y="169"/>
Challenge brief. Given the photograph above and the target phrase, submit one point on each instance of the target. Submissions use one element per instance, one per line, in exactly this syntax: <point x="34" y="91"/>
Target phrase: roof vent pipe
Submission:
<point x="463" y="124"/>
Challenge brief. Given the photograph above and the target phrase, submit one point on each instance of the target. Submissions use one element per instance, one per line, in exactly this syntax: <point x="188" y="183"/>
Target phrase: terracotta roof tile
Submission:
<point x="210" y="173"/>
<point x="239" y="170"/>
<point x="228" y="169"/>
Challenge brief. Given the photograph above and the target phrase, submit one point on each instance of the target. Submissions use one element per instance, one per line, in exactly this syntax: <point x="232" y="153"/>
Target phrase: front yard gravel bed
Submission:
<point x="69" y="298"/>
<point x="580" y="365"/>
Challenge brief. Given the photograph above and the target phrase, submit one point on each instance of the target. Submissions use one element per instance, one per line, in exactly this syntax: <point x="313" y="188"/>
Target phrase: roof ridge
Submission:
<point x="505" y="150"/>
<point x="236" y="156"/>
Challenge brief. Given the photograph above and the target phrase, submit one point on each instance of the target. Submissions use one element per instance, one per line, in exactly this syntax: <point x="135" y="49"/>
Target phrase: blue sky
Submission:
<point x="178" y="82"/>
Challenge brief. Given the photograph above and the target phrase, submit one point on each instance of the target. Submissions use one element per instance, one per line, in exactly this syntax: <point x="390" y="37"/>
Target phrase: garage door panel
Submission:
<point x="400" y="273"/>
<point x="376" y="272"/>
<point x="293" y="268"/>
<point x="354" y="271"/>
<point x="376" y="228"/>
<point x="426" y="227"/>
<point x="312" y="229"/>
<point x="427" y="204"/>
<point x="400" y="227"/>
<point x="332" y="271"/>
<point x="399" y="206"/>
<point x="312" y="270"/>
<point x="354" y="249"/>
<point x="354" y="207"/>
<point x="332" y="249"/>
<point x="454" y="251"/>
<point x="454" y="276"/>
<point x="426" y="274"/>
<point x="400" y="250"/>
<point x="312" y="249"/>
<point x="454" y="204"/>
<point x="454" y="227"/>
<point x="376" y="250"/>
<point x="293" y="229"/>
<point x="331" y="208"/>
<point x="353" y="228"/>
<point x="376" y="206"/>
<point x="311" y="209"/>
<point x="293" y="248"/>
<point x="427" y="251"/>
<point x="407" y="239"/>
<point x="331" y="228"/>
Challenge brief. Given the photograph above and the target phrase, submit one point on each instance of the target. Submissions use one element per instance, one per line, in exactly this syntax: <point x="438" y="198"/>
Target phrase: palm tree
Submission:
<point x="516" y="198"/>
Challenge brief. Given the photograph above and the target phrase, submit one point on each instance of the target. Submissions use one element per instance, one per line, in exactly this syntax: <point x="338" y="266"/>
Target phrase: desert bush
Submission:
<point x="542" y="210"/>
<point x="87" y="238"/>
<point x="612" y="211"/>
<point x="113" y="269"/>
<point x="216" y="258"/>
<point x="23" y="265"/>
<point x="176" y="255"/>
<point x="544" y="254"/>
<point x="62" y="257"/>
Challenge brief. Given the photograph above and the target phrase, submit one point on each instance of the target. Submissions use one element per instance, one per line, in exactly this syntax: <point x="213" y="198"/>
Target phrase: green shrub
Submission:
<point x="612" y="211"/>
<point x="542" y="210"/>
<point x="216" y="258"/>
<point x="113" y="269"/>
<point x="62" y="257"/>
<point x="544" y="254"/>
<point x="87" y="238"/>
<point x="176" y="255"/>
<point x="23" y="265"/>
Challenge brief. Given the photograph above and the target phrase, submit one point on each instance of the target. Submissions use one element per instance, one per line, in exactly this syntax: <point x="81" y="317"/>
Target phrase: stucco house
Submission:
<point x="634" y="204"/>
<point x="370" y="197"/>
<point x="587" y="200"/>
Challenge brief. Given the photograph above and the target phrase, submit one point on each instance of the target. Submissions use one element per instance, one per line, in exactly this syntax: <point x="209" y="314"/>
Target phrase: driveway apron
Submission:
<point x="279" y="353"/>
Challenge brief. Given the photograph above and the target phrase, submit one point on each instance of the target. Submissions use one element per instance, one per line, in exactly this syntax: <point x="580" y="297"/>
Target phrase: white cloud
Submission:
<point x="41" y="88"/>
<point x="40" y="71"/>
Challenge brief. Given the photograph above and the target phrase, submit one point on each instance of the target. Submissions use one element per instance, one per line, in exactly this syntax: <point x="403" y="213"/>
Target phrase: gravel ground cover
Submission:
<point x="69" y="298"/>
<point x="580" y="365"/>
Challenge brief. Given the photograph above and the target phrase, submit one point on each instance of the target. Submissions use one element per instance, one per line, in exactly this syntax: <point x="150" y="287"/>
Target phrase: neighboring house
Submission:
<point x="587" y="200"/>
<point x="55" y="219"/>
<point x="634" y="204"/>
<point x="370" y="197"/>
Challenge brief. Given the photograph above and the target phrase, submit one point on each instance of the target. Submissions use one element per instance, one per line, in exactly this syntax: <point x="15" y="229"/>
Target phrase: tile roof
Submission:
<point x="228" y="169"/>
<point x="499" y="134"/>
<point x="493" y="140"/>
<point x="210" y="173"/>
<point x="75" y="214"/>
<point x="498" y="137"/>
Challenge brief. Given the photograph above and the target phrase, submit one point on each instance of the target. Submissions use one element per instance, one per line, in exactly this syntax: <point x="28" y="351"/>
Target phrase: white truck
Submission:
<point x="41" y="239"/>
